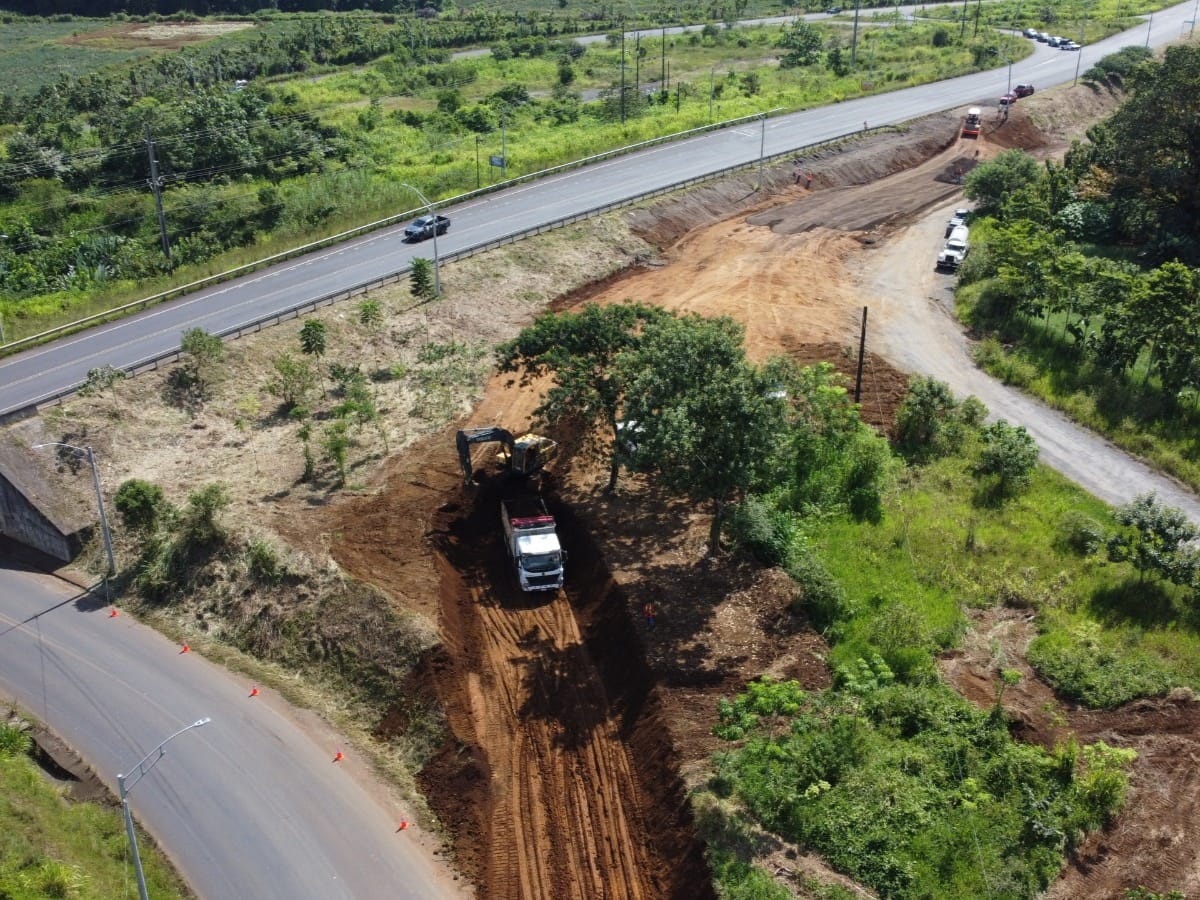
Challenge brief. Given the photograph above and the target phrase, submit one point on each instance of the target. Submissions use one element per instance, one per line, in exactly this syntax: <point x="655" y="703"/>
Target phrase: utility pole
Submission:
<point x="156" y="186"/>
<point x="862" y="346"/>
<point x="637" y="64"/>
<point x="503" y="148"/>
<point x="622" y="70"/>
<point x="663" y="77"/>
<point x="978" y="8"/>
<point x="854" y="37"/>
<point x="962" y="32"/>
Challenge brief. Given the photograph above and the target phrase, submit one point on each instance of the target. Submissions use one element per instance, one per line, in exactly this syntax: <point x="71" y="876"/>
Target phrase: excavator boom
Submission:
<point x="523" y="455"/>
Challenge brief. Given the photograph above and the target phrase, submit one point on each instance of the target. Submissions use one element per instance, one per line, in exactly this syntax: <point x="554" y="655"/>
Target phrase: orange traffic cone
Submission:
<point x="185" y="649"/>
<point x="339" y="756"/>
<point x="113" y="613"/>
<point x="403" y="826"/>
<point x="253" y="692"/>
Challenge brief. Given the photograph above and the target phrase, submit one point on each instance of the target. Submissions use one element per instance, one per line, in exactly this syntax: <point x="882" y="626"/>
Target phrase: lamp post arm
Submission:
<point x="140" y="767"/>
<point x="437" y="278"/>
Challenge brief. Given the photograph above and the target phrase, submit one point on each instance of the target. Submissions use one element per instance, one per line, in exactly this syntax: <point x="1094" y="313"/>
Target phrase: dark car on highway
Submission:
<point x="425" y="226"/>
<point x="1023" y="90"/>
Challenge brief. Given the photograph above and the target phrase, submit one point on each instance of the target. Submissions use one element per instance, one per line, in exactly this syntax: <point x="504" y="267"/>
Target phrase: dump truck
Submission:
<point x="957" y="247"/>
<point x="524" y="455"/>
<point x="973" y="122"/>
<point x="532" y="543"/>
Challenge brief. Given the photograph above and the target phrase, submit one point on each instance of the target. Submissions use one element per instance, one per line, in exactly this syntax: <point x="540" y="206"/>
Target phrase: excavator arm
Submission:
<point x="469" y="436"/>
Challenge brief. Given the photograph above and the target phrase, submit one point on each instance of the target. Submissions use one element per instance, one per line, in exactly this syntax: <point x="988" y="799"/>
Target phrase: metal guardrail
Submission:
<point x="152" y="363"/>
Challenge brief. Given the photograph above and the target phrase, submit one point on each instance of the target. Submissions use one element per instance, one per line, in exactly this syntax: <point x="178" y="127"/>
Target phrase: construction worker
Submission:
<point x="649" y="612"/>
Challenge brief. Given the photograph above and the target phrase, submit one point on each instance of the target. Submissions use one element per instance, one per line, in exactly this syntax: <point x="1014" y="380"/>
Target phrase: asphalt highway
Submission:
<point x="28" y="377"/>
<point x="248" y="807"/>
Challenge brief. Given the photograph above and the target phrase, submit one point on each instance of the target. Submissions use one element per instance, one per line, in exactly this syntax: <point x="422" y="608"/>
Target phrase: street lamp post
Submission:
<point x="126" y="782"/>
<point x="437" y="278"/>
<point x="105" y="533"/>
<point x="762" y="150"/>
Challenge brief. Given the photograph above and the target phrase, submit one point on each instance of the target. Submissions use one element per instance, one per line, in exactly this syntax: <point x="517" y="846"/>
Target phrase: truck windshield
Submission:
<point x="540" y="562"/>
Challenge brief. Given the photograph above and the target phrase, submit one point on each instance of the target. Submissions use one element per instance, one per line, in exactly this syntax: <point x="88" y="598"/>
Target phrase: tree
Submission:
<point x="200" y="523"/>
<point x="1009" y="453"/>
<point x="802" y="43"/>
<point x="995" y="182"/>
<point x="202" y="351"/>
<point x="580" y="351"/>
<point x="1157" y="539"/>
<point x="314" y="338"/>
<point x="293" y="382"/>
<point x="1164" y="309"/>
<point x="924" y="414"/>
<point x="710" y="424"/>
<point x="420" y="279"/>
<point x="1152" y="148"/>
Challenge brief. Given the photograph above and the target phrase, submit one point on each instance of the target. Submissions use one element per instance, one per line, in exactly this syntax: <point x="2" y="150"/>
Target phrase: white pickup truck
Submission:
<point x="958" y="245"/>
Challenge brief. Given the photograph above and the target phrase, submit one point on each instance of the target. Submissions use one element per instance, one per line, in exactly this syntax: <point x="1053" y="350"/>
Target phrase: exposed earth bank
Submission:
<point x="576" y="727"/>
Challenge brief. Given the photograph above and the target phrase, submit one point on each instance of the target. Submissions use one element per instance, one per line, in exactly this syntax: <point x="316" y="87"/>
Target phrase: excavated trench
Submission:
<point x="560" y="779"/>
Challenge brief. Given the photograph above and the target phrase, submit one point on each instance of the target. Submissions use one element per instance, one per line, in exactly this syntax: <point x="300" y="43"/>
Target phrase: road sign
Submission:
<point x="498" y="161"/>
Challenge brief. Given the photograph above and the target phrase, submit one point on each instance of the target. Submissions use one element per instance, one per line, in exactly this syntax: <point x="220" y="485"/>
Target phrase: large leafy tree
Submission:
<point x="1153" y="142"/>
<point x="1164" y="309"/>
<point x="802" y="43"/>
<point x="1001" y="181"/>
<point x="579" y="351"/>
<point x="710" y="424"/>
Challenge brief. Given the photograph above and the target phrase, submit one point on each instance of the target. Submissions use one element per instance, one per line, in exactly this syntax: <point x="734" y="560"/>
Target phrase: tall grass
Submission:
<point x="52" y="848"/>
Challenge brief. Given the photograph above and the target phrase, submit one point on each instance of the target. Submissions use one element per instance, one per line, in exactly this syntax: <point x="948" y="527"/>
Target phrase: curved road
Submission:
<point x="27" y="377"/>
<point x="250" y="806"/>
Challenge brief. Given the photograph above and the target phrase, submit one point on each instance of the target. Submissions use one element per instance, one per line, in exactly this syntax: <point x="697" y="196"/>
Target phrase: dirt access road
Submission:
<point x="575" y="725"/>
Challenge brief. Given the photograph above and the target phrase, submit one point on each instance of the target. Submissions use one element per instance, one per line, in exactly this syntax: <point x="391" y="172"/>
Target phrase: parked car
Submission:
<point x="1043" y="37"/>
<point x="1069" y="45"/>
<point x="1008" y="99"/>
<point x="833" y="10"/>
<point x="959" y="218"/>
<point x="1023" y="90"/>
<point x="1031" y="33"/>
<point x="1053" y="41"/>
<point x="424" y="227"/>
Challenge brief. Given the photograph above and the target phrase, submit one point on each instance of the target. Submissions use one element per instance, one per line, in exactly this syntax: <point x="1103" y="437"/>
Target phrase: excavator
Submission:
<point x="522" y="455"/>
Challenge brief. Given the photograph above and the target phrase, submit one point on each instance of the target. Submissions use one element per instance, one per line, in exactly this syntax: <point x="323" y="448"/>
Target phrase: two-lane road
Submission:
<point x="27" y="377"/>
<point x="250" y="806"/>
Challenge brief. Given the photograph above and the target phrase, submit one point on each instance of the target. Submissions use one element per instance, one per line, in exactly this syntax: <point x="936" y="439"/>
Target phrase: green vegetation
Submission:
<point x="1084" y="275"/>
<point x="909" y="788"/>
<point x="890" y="775"/>
<point x="252" y="171"/>
<point x="35" y="53"/>
<point x="55" y="848"/>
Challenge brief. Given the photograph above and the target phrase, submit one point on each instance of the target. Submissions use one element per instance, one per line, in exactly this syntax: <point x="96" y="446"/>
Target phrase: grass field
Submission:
<point x="35" y="53"/>
<point x="52" y="847"/>
<point x="1106" y="636"/>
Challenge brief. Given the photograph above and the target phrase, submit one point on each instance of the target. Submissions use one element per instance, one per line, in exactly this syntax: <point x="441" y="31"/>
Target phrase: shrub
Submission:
<point x="821" y="597"/>
<point x="1009" y="454"/>
<point x="262" y="562"/>
<point x="140" y="504"/>
<point x="763" y="531"/>
<point x="1081" y="534"/>
<point x="201" y="527"/>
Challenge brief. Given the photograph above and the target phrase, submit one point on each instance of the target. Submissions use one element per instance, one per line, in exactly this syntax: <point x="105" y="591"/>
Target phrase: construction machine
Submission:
<point x="524" y="455"/>
<point x="973" y="122"/>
